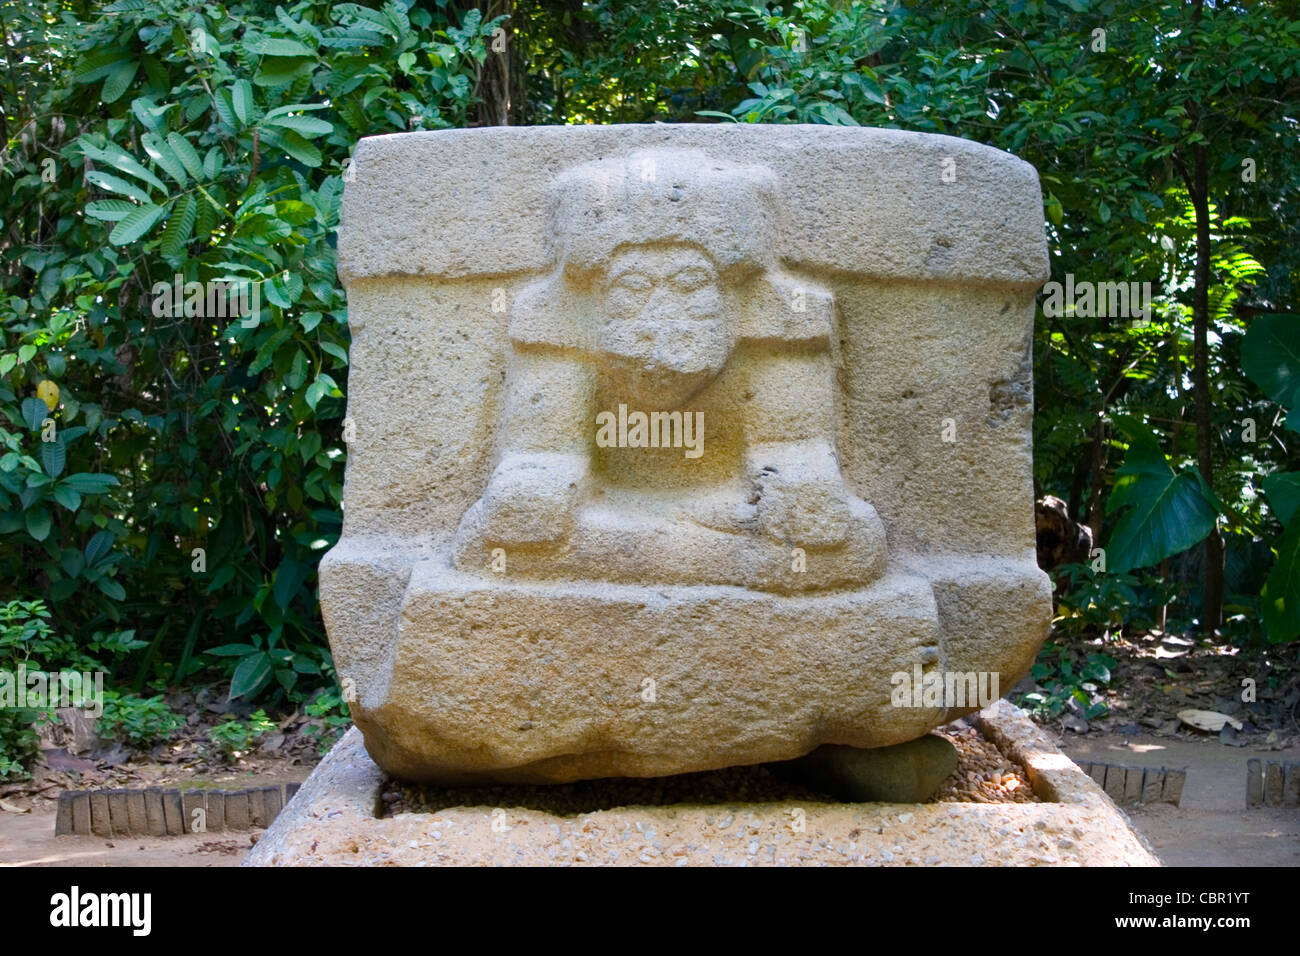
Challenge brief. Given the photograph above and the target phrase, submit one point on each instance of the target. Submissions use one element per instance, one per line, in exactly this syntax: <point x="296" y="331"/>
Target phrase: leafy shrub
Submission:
<point x="178" y="455"/>
<point x="332" y="710"/>
<point x="238" y="736"/>
<point x="141" y="721"/>
<point x="26" y="638"/>
<point x="1059" y="671"/>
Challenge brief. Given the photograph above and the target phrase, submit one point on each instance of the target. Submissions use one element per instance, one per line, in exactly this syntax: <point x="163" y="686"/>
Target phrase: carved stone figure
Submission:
<point x="668" y="299"/>
<point x="677" y="447"/>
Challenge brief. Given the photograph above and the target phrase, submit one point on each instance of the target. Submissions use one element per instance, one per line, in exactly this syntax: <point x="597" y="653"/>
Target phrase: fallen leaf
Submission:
<point x="8" y="807"/>
<point x="1210" y="720"/>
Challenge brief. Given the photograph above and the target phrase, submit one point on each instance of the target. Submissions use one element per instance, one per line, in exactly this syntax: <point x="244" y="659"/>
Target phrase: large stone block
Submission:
<point x="678" y="447"/>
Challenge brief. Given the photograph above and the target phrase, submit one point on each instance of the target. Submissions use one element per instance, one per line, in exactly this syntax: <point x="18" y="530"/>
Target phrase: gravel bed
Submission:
<point x="983" y="775"/>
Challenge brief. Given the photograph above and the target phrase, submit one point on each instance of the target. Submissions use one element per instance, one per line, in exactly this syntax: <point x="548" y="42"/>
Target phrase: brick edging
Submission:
<point x="168" y="811"/>
<point x="1275" y="783"/>
<point x="1133" y="785"/>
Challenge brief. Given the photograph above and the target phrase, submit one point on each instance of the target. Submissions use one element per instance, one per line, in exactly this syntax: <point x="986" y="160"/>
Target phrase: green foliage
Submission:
<point x="235" y="737"/>
<point x="1093" y="601"/>
<point x="140" y="721"/>
<point x="331" y="710"/>
<point x="189" y="473"/>
<point x="1167" y="511"/>
<point x="27" y="639"/>
<point x="255" y="666"/>
<point x="182" y="473"/>
<point x="1066" y="678"/>
<point x="1270" y="355"/>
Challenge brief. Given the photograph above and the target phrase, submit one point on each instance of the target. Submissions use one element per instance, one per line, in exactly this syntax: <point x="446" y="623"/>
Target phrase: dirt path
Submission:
<point x="1212" y="826"/>
<point x="27" y="839"/>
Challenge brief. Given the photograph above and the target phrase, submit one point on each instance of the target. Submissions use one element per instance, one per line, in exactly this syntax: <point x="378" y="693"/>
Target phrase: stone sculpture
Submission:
<point x="675" y="446"/>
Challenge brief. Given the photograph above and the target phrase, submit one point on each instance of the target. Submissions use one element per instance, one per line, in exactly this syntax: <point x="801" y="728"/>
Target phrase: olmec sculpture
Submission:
<point x="674" y="443"/>
<point x="668" y="298"/>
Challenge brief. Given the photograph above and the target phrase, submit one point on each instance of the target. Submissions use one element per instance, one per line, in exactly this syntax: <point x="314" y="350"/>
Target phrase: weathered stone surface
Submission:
<point x="1116" y="781"/>
<point x="137" y="818"/>
<point x="1174" y="780"/>
<point x="81" y="736"/>
<point x="1254" y="782"/>
<point x="1132" y="785"/>
<point x="333" y="822"/>
<point x="1291" y="785"/>
<point x="81" y="814"/>
<point x="527" y="590"/>
<point x="256" y="808"/>
<point x="236" y="810"/>
<point x="215" y="804"/>
<point x="191" y="801"/>
<point x="1153" y="784"/>
<point x="155" y="816"/>
<point x="119" y="813"/>
<point x="909" y="772"/>
<point x="63" y="825"/>
<point x="100" y="821"/>
<point x="272" y="802"/>
<point x="1273" y="783"/>
<point x="173" y="811"/>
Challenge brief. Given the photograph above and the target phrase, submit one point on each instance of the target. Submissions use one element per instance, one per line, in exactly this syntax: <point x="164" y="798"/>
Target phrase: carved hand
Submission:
<point x="802" y="499"/>
<point x="530" y="498"/>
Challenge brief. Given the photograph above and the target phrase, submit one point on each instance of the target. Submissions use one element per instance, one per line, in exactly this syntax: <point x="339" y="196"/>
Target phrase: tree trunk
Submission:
<point x="1098" y="457"/>
<point x="500" y="84"/>
<point x="1212" y="601"/>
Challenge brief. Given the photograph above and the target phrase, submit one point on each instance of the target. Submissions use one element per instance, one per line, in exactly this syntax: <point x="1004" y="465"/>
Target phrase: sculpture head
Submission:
<point x="664" y="331"/>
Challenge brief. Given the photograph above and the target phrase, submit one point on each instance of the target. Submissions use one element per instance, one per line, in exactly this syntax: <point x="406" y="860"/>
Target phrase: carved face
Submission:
<point x="666" y="333"/>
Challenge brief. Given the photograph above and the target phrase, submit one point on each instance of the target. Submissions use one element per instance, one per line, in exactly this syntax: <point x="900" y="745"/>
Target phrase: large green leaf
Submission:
<point x="35" y="411"/>
<point x="54" y="457"/>
<point x="277" y="46"/>
<point x="89" y="484"/>
<point x="186" y="153"/>
<point x="136" y="224"/>
<point x="241" y="99"/>
<point x="1283" y="490"/>
<point x="38" y="523"/>
<point x="67" y="497"/>
<point x="251" y="675"/>
<point x="111" y="588"/>
<point x="281" y="70"/>
<point x="99" y="65"/>
<point x="180" y="226"/>
<point x="118" y="81"/>
<point x="306" y="125"/>
<point x="293" y="144"/>
<point x="162" y="154"/>
<point x="99" y="544"/>
<point x="110" y="210"/>
<point x="288" y="579"/>
<point x="115" y="184"/>
<point x="1270" y="355"/>
<point x="1280" y="599"/>
<point x="120" y="160"/>
<point x="1168" y="511"/>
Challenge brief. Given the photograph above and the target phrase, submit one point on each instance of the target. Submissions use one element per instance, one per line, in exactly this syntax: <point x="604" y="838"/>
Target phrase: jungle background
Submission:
<point x="169" y="483"/>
